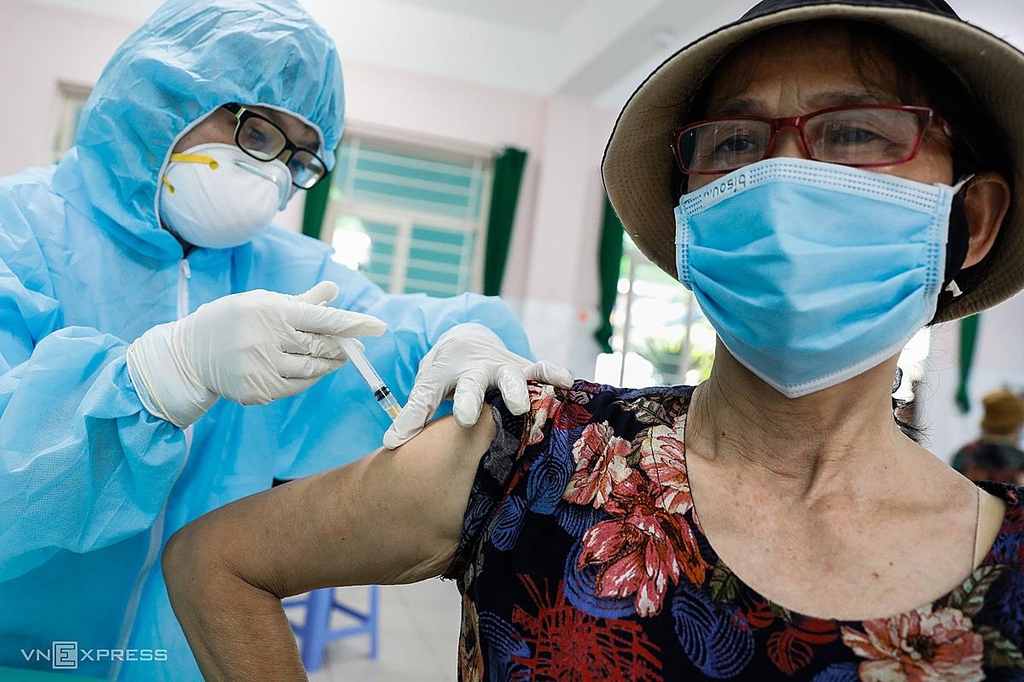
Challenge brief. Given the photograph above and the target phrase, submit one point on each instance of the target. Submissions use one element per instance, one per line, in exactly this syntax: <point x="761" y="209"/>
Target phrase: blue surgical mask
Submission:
<point x="812" y="273"/>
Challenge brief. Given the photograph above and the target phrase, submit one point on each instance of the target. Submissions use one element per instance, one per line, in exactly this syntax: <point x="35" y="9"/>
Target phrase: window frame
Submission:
<point x="71" y="100"/>
<point x="406" y="219"/>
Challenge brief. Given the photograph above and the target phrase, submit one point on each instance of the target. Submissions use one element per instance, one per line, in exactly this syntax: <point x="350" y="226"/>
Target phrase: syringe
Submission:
<point x="380" y="390"/>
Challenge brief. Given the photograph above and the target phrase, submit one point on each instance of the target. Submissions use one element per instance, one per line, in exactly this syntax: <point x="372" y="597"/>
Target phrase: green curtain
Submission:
<point x="968" y="340"/>
<point x="508" y="176"/>
<point x="316" y="206"/>
<point x="609" y="259"/>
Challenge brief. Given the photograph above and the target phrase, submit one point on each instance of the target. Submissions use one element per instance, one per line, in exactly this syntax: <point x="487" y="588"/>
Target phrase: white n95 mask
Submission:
<point x="217" y="196"/>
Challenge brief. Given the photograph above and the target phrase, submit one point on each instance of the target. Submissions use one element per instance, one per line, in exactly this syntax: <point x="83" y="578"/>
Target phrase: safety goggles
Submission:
<point x="264" y="140"/>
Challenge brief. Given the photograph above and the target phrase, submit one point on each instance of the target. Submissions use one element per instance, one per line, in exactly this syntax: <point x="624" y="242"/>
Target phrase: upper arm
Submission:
<point x="394" y="516"/>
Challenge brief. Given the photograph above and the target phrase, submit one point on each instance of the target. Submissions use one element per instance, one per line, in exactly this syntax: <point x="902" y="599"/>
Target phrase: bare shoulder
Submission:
<point x="446" y="441"/>
<point x="394" y="516"/>
<point x="436" y="469"/>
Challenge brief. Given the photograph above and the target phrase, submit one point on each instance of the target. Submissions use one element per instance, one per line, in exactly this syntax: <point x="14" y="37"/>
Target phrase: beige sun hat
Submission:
<point x="638" y="163"/>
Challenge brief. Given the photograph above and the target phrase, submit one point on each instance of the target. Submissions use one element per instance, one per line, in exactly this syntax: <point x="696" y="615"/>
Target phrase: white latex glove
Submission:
<point x="252" y="348"/>
<point x="469" y="359"/>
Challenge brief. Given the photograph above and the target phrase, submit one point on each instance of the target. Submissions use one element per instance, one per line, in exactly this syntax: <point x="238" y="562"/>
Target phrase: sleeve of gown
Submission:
<point x="344" y="421"/>
<point x="82" y="463"/>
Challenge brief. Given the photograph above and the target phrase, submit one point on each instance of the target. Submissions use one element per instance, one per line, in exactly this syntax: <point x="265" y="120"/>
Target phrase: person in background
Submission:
<point x="995" y="455"/>
<point x="828" y="177"/>
<point x="164" y="350"/>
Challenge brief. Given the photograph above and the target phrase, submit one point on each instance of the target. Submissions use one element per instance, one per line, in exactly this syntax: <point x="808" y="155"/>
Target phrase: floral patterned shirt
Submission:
<point x="580" y="561"/>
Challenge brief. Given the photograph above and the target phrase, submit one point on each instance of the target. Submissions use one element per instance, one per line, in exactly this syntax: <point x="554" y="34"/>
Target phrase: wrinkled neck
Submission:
<point x="801" y="447"/>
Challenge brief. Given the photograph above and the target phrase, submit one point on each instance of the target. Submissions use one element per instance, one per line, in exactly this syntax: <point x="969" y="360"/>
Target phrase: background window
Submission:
<point x="70" y="102"/>
<point x="412" y="218"/>
<point x="659" y="335"/>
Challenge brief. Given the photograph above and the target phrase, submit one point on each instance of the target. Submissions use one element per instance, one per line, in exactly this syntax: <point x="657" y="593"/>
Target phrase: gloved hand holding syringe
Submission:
<point x="380" y="390"/>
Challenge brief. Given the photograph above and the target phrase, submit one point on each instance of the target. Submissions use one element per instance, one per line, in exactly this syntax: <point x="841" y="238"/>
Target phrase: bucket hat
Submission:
<point x="638" y="164"/>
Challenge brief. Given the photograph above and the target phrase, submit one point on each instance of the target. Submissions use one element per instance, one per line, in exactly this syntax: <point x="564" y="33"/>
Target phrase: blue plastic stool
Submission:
<point x="316" y="631"/>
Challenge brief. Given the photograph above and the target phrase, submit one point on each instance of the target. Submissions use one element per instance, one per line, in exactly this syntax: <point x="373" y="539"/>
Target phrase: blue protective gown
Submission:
<point x="91" y="484"/>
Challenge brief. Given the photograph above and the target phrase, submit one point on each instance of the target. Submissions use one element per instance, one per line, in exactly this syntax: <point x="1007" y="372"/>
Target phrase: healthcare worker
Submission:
<point x="161" y="345"/>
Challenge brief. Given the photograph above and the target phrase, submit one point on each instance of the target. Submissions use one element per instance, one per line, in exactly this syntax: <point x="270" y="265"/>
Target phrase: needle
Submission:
<point x="380" y="390"/>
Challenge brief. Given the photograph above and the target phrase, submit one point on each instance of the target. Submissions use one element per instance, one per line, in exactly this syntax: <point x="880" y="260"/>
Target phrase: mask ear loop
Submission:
<point x="960" y="185"/>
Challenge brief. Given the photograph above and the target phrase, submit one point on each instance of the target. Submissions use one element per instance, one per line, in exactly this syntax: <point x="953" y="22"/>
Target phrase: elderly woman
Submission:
<point x="840" y="177"/>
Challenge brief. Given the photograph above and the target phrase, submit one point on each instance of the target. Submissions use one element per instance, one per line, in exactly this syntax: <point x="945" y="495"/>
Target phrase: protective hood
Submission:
<point x="187" y="59"/>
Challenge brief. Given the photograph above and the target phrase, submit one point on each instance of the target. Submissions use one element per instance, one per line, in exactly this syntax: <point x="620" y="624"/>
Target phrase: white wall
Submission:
<point x="551" y="279"/>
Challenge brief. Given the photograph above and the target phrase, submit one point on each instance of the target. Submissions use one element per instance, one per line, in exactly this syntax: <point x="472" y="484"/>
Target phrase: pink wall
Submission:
<point x="39" y="48"/>
<point x="551" y="276"/>
<point x="558" y="214"/>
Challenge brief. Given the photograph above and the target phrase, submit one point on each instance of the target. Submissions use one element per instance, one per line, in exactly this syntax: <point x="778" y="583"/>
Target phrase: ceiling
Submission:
<point x="593" y="49"/>
<point x="535" y="15"/>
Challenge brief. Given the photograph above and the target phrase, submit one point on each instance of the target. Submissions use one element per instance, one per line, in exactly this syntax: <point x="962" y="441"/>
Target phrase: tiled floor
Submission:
<point x="419" y="636"/>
